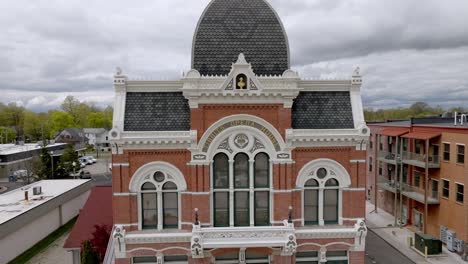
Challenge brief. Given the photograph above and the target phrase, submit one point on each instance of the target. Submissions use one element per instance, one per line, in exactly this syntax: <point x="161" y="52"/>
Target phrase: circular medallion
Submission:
<point x="159" y="176"/>
<point x="322" y="173"/>
<point x="241" y="141"/>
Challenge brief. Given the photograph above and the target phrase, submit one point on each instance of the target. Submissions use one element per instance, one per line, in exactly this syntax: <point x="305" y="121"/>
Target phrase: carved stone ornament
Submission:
<point x="252" y="85"/>
<point x="230" y="85"/>
<point x="257" y="145"/>
<point x="225" y="145"/>
<point x="241" y="141"/>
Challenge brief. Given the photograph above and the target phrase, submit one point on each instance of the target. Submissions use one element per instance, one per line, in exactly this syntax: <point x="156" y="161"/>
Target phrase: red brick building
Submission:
<point x="240" y="161"/>
<point x="420" y="170"/>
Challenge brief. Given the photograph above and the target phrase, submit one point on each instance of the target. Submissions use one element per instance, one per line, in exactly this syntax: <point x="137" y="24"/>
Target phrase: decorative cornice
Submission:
<point x="155" y="237"/>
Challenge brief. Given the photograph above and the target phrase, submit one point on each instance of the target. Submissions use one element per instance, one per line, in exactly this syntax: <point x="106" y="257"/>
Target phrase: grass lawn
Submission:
<point x="43" y="244"/>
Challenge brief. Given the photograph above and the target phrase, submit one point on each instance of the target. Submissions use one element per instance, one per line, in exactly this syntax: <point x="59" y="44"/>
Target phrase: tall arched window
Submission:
<point x="330" y="199"/>
<point x="159" y="202"/>
<point x="241" y="190"/>
<point x="311" y="202"/>
<point x="221" y="189"/>
<point x="262" y="189"/>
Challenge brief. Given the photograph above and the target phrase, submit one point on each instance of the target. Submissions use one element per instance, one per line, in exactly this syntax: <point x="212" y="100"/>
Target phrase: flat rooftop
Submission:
<point x="12" y="204"/>
<point x="8" y="149"/>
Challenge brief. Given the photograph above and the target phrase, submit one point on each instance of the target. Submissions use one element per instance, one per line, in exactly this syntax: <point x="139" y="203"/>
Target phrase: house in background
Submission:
<point x="73" y="136"/>
<point x="98" y="137"/>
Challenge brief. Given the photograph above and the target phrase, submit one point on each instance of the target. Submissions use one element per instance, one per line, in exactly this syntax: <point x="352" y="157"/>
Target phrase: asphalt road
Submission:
<point x="378" y="251"/>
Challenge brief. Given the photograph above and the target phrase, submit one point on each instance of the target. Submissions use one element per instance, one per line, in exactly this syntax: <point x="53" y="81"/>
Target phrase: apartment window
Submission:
<point x="370" y="164"/>
<point x="405" y="144"/>
<point x="337" y="257"/>
<point x="380" y="168"/>
<point x="307" y="257"/>
<point x="330" y="197"/>
<point x="417" y="179"/>
<point x="241" y="190"/>
<point x="159" y="205"/>
<point x="371" y="141"/>
<point x="435" y="188"/>
<point x="405" y="173"/>
<point x="380" y="143"/>
<point x="311" y="205"/>
<point x="445" y="188"/>
<point x="460" y="154"/>
<point x="417" y="146"/>
<point x="460" y="192"/>
<point x="446" y="151"/>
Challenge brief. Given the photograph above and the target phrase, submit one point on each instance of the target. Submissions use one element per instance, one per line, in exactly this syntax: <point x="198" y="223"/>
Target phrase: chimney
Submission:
<point x="26" y="195"/>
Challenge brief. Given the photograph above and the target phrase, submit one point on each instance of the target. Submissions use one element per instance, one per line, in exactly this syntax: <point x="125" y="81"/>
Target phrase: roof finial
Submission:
<point x="118" y="71"/>
<point x="357" y="71"/>
<point x="241" y="59"/>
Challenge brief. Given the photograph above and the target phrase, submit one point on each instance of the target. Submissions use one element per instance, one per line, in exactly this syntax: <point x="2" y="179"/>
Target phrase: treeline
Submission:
<point x="418" y="109"/>
<point x="17" y="121"/>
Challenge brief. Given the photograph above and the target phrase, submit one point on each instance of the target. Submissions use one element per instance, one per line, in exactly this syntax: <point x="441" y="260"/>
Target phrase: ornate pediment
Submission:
<point x="241" y="78"/>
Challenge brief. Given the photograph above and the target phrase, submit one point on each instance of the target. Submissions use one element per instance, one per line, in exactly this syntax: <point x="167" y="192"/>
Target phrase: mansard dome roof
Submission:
<point x="230" y="27"/>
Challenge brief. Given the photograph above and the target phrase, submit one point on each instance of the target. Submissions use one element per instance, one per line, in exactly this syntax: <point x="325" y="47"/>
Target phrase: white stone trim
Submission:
<point x="357" y="161"/>
<point x="127" y="225"/>
<point x="120" y="164"/>
<point x="149" y="168"/>
<point x="326" y="137"/>
<point x="125" y="194"/>
<point x="341" y="174"/>
<point x="354" y="189"/>
<point x="196" y="193"/>
<point x="154" y="139"/>
<point x="155" y="237"/>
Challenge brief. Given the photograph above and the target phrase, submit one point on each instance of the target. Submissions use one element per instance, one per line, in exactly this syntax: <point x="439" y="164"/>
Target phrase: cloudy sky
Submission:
<point x="408" y="51"/>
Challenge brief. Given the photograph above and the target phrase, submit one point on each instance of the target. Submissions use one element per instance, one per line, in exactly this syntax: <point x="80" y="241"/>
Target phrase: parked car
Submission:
<point x="85" y="161"/>
<point x="91" y="158"/>
<point x="85" y="175"/>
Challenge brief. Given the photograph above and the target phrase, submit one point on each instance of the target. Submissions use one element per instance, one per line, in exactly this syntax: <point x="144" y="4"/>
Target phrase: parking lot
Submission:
<point x="100" y="173"/>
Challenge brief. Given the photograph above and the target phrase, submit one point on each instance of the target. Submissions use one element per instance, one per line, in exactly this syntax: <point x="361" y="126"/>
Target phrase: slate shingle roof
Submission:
<point x="156" y="111"/>
<point x="230" y="27"/>
<point x="322" y="110"/>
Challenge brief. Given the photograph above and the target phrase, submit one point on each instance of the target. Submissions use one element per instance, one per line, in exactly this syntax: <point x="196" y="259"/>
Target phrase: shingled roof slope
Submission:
<point x="96" y="211"/>
<point x="230" y="27"/>
<point x="156" y="111"/>
<point x="322" y="110"/>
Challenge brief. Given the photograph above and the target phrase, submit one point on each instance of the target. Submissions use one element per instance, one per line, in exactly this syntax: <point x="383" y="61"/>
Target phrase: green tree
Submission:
<point x="66" y="161"/>
<point x="97" y="119"/>
<point x="14" y="117"/>
<point x="88" y="254"/>
<point x="60" y="120"/>
<point x="43" y="166"/>
<point x="7" y="135"/>
<point x="32" y="125"/>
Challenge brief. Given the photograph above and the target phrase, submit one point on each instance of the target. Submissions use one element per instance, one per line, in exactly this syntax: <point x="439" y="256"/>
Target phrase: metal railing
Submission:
<point x="433" y="159"/>
<point x="388" y="155"/>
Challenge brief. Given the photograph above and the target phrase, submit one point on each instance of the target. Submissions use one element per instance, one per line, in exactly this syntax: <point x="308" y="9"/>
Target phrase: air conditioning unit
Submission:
<point x="443" y="234"/>
<point x="37" y="190"/>
<point x="451" y="236"/>
<point x="459" y="245"/>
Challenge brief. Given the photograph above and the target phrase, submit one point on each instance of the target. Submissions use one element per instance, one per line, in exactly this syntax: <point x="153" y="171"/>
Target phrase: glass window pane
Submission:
<point x="311" y="183"/>
<point x="229" y="256"/>
<point x="332" y="182"/>
<point x="221" y="209"/>
<point x="311" y="207"/>
<point x="169" y="186"/>
<point x="149" y="210"/>
<point x="221" y="171"/>
<point x="262" y="208"/>
<point x="251" y="254"/>
<point x="170" y="210"/>
<point x="176" y="258"/>
<point x="159" y="176"/>
<point x="241" y="209"/>
<point x="241" y="171"/>
<point x="330" y="207"/>
<point x="262" y="165"/>
<point x="148" y="259"/>
<point x="148" y="186"/>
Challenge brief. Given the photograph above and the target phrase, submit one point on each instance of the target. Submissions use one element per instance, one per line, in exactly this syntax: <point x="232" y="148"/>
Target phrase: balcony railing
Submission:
<point x="389" y="157"/>
<point x="419" y="160"/>
<point x="387" y="184"/>
<point x="417" y="194"/>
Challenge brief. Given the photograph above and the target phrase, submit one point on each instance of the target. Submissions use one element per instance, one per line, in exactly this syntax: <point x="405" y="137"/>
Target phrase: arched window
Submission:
<point x="159" y="202"/>
<point x="149" y="204"/>
<point x="221" y="190"/>
<point x="311" y="202"/>
<point x="330" y="199"/>
<point x="241" y="190"/>
<point x="262" y="193"/>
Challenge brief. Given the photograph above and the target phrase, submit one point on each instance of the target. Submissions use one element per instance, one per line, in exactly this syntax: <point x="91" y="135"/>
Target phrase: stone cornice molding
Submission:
<point x="326" y="137"/>
<point x="153" y="139"/>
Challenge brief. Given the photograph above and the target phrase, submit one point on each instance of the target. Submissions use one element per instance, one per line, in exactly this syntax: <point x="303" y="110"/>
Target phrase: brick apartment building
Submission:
<point x="400" y="155"/>
<point x="240" y="161"/>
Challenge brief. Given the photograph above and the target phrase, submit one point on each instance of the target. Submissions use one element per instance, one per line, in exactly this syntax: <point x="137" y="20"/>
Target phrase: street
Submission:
<point x="378" y="251"/>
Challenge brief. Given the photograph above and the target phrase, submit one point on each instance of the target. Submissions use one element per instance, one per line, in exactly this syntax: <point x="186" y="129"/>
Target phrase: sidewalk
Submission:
<point x="398" y="238"/>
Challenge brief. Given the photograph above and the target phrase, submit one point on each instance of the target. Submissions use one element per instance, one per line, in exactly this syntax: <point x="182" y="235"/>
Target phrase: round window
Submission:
<point x="159" y="176"/>
<point x="321" y="173"/>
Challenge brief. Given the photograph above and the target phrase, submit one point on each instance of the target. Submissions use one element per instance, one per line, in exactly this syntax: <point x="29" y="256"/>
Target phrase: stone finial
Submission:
<point x="357" y="71"/>
<point x="241" y="59"/>
<point x="118" y="71"/>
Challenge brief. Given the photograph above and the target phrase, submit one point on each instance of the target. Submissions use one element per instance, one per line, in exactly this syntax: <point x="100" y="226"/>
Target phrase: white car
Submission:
<point x="84" y="161"/>
<point x="91" y="158"/>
